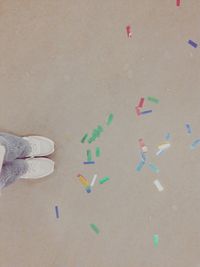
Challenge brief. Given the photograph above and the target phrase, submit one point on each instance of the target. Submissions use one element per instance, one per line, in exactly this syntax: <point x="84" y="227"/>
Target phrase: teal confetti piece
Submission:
<point x="153" y="168"/>
<point x="139" y="166"/>
<point x="153" y="99"/>
<point x="84" y="138"/>
<point x="89" y="155"/>
<point x="155" y="240"/>
<point x="110" y="119"/>
<point x="103" y="180"/>
<point x="95" y="228"/>
<point x="98" y="152"/>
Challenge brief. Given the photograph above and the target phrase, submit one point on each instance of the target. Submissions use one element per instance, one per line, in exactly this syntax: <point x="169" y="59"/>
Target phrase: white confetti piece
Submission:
<point x="93" y="180"/>
<point x="158" y="185"/>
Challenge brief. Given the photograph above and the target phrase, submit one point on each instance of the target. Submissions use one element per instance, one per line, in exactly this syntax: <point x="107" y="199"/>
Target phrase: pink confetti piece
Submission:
<point x="178" y="2"/>
<point x="137" y="111"/>
<point x="128" y="30"/>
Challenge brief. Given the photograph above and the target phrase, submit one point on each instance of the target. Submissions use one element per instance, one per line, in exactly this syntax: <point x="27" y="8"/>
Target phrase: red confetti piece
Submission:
<point x="141" y="103"/>
<point x="178" y="2"/>
<point x="128" y="30"/>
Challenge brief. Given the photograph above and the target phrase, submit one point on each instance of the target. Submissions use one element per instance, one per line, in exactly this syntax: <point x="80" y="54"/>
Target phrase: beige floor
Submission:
<point x="64" y="66"/>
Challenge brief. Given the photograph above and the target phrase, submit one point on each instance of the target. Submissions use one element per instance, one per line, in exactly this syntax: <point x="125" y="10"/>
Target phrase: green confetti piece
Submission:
<point x="84" y="138"/>
<point x="155" y="240"/>
<point x="95" y="228"/>
<point x="110" y="119"/>
<point x="103" y="180"/>
<point x="153" y="99"/>
<point x="98" y="152"/>
<point x="89" y="155"/>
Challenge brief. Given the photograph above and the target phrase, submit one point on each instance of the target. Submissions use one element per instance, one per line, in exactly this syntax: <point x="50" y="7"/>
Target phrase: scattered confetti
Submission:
<point x="146" y="112"/>
<point x="94" y="228"/>
<point x="153" y="99"/>
<point x="98" y="152"/>
<point x="192" y="43"/>
<point x="139" y="166"/>
<point x="153" y="168"/>
<point x="110" y="119"/>
<point x="84" y="138"/>
<point x="93" y="180"/>
<point x="188" y="128"/>
<point x="57" y="212"/>
<point x="128" y="31"/>
<point x="158" y="185"/>
<point x="195" y="144"/>
<point x="141" y="103"/>
<point x="155" y="240"/>
<point x="89" y="162"/>
<point x="105" y="179"/>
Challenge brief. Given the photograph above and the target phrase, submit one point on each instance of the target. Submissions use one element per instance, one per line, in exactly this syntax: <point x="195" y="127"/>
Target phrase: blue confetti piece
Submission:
<point x="195" y="144"/>
<point x="167" y="136"/>
<point x="88" y="162"/>
<point x="192" y="43"/>
<point x="57" y="212"/>
<point x="153" y="168"/>
<point x="188" y="128"/>
<point x="146" y="112"/>
<point x="139" y="166"/>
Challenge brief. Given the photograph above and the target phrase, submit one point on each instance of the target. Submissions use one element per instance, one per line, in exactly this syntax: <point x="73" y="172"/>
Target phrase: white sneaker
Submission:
<point x="38" y="168"/>
<point x="41" y="146"/>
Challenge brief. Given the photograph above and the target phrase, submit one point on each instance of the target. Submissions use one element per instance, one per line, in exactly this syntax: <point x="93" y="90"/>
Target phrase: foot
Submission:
<point x="41" y="146"/>
<point x="38" y="168"/>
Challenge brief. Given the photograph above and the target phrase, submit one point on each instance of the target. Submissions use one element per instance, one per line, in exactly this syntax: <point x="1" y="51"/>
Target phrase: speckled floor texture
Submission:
<point x="66" y="65"/>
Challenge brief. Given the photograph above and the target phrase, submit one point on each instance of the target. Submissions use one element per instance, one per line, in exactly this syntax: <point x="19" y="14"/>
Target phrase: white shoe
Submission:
<point x="41" y="146"/>
<point x="38" y="168"/>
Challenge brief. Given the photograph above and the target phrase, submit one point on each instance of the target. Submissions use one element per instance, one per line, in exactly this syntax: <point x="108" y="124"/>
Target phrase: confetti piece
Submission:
<point x="89" y="155"/>
<point x="146" y="112"/>
<point x="89" y="162"/>
<point x="192" y="43"/>
<point x="158" y="185"/>
<point x="159" y="152"/>
<point x="93" y="180"/>
<point x="98" y="152"/>
<point x="164" y="146"/>
<point x="178" y="2"/>
<point x="128" y="30"/>
<point x="153" y="168"/>
<point x="110" y="119"/>
<point x="155" y="240"/>
<point x="57" y="212"/>
<point x="195" y="144"/>
<point x="143" y="156"/>
<point x="139" y="166"/>
<point x="105" y="179"/>
<point x="88" y="189"/>
<point x="84" y="138"/>
<point x="96" y="133"/>
<point x="83" y="180"/>
<point x="141" y="103"/>
<point x="188" y="128"/>
<point x="137" y="111"/>
<point x="167" y="136"/>
<point x="94" y="228"/>
<point x="153" y="99"/>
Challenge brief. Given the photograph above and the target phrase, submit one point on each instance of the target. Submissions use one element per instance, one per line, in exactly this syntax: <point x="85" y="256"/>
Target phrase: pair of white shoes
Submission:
<point x="39" y="167"/>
